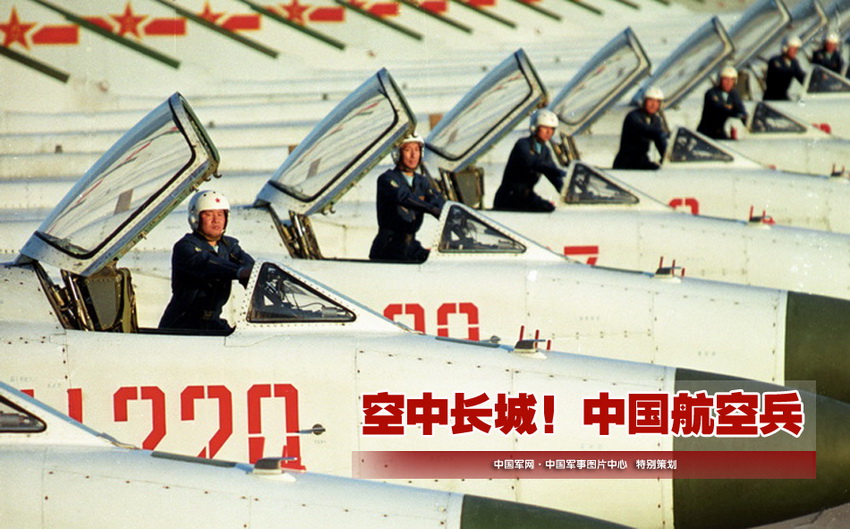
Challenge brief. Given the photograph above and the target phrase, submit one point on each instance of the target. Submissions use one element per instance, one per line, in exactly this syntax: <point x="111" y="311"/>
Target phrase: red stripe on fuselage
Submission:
<point x="242" y="23"/>
<point x="166" y="27"/>
<point x="327" y="14"/>
<point x="65" y="34"/>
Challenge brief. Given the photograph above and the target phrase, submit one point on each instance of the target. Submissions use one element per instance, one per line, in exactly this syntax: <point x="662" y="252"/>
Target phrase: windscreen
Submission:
<point x="768" y="119"/>
<point x="465" y="233"/>
<point x="15" y="420"/>
<point x="281" y="298"/>
<point x="688" y="147"/>
<point x="825" y="81"/>
<point x="588" y="186"/>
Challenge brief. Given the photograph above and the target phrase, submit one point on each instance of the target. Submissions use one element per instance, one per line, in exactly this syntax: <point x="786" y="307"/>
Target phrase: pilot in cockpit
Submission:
<point x="782" y="69"/>
<point x="642" y="127"/>
<point x="721" y="102"/>
<point x="530" y="158"/>
<point x="204" y="263"/>
<point x="829" y="56"/>
<point x="405" y="194"/>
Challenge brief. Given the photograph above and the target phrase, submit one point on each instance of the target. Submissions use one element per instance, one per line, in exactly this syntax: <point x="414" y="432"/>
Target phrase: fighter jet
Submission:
<point x="790" y="137"/>
<point x="60" y="473"/>
<point x="698" y="175"/>
<point x="485" y="281"/>
<point x="775" y="135"/>
<point x="312" y="376"/>
<point x="598" y="218"/>
<point x="821" y="98"/>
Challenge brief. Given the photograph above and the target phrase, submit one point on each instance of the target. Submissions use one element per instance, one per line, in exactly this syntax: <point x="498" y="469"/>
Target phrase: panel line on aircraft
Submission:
<point x="36" y="65"/>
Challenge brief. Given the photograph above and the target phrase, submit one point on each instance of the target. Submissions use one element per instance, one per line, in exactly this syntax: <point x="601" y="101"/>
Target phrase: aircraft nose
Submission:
<point x="480" y="513"/>
<point x="740" y="503"/>
<point x="817" y="343"/>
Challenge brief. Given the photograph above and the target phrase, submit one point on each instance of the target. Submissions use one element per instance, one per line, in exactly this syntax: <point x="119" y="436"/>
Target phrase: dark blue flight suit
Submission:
<point x="831" y="61"/>
<point x="401" y="209"/>
<point x="780" y="72"/>
<point x="718" y="106"/>
<point x="200" y="282"/>
<point x="527" y="161"/>
<point x="639" y="130"/>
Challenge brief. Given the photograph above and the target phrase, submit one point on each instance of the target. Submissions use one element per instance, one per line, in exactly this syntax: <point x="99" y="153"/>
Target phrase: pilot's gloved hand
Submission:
<point x="244" y="273"/>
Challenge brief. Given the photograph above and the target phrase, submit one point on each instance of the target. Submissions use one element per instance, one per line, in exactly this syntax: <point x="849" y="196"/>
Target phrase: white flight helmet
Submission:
<point x="413" y="137"/>
<point x="205" y="201"/>
<point x="792" y="41"/>
<point x="833" y="38"/>
<point x="543" y="117"/>
<point x="653" y="92"/>
<point x="728" y="72"/>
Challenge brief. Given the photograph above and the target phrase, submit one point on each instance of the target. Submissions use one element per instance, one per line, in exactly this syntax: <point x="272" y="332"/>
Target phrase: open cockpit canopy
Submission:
<point x="600" y="83"/>
<point x="145" y="175"/>
<point x="762" y="24"/>
<point x="341" y="149"/>
<point x="491" y="109"/>
<point x="807" y="20"/>
<point x="694" y="60"/>
<point x="759" y="31"/>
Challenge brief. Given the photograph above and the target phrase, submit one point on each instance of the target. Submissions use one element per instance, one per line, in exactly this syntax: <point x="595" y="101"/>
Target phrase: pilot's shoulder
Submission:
<point x="230" y="241"/>
<point x="390" y="177"/>
<point x="188" y="243"/>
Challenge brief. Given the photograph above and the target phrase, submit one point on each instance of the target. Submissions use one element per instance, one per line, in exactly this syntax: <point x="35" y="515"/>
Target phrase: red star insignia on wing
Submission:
<point x="295" y="11"/>
<point x="15" y="31"/>
<point x="207" y="13"/>
<point x="128" y="22"/>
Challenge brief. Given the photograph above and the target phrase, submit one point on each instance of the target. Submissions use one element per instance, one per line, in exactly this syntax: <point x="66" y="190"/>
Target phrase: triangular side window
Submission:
<point x="281" y="298"/>
<point x="768" y="119"/>
<point x="825" y="81"/>
<point x="16" y="420"/>
<point x="588" y="186"/>
<point x="689" y="147"/>
<point x="465" y="233"/>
